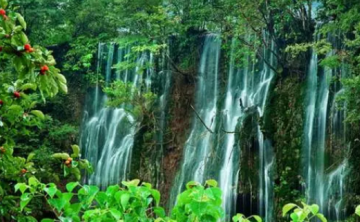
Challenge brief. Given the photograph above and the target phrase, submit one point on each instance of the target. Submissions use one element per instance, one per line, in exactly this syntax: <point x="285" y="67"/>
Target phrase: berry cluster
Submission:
<point x="28" y="48"/>
<point x="68" y="162"/>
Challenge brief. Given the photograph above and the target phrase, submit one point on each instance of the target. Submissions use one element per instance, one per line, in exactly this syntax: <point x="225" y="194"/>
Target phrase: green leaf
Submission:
<point x="71" y="186"/>
<point x="30" y="157"/>
<point x="76" y="151"/>
<point x="159" y="211"/>
<point x="38" y="113"/>
<point x="257" y="218"/>
<point x="21" y="186"/>
<point x="211" y="183"/>
<point x="238" y="218"/>
<point x="314" y="209"/>
<point x="24" y="200"/>
<point x="58" y="203"/>
<point x="294" y="217"/>
<point x="21" y="20"/>
<point x="61" y="78"/>
<point x="63" y="156"/>
<point x="321" y="217"/>
<point x="33" y="182"/>
<point x="51" y="191"/>
<point x="287" y="208"/>
<point x="357" y="211"/>
<point x="191" y="184"/>
<point x="133" y="183"/>
<point x="125" y="200"/>
<point x="27" y="86"/>
<point x="47" y="220"/>
<point x="63" y="87"/>
<point x="115" y="213"/>
<point x="156" y="195"/>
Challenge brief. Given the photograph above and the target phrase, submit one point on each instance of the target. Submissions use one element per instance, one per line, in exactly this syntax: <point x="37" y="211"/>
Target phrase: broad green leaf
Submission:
<point x="357" y="211"/>
<point x="47" y="220"/>
<point x="38" y="114"/>
<point x="51" y="191"/>
<point x="314" y="209"/>
<point x="115" y="213"/>
<point x="321" y="217"/>
<point x="125" y="200"/>
<point x="287" y="208"/>
<point x="24" y="200"/>
<point x="294" y="217"/>
<point x="191" y="184"/>
<point x="21" y="186"/>
<point x="76" y="151"/>
<point x="71" y="186"/>
<point x="211" y="183"/>
<point x="133" y="183"/>
<point x="257" y="218"/>
<point x="238" y="218"/>
<point x="33" y="182"/>
<point x="111" y="190"/>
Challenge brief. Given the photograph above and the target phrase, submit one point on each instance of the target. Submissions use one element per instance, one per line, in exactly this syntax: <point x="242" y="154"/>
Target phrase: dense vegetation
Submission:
<point x="41" y="109"/>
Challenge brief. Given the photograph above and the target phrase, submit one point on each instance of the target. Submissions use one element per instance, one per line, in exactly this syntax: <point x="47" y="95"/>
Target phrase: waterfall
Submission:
<point x="250" y="88"/>
<point x="107" y="134"/>
<point x="199" y="144"/>
<point x="310" y="102"/>
<point x="324" y="135"/>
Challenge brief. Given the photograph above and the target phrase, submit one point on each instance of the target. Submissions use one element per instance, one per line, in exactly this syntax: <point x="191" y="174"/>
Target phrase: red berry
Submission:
<point x="1" y="102"/>
<point x="2" y="12"/>
<point x="23" y="171"/>
<point x="44" y="69"/>
<point x="16" y="94"/>
<point x="1" y="48"/>
<point x="2" y="149"/>
<point x="27" y="47"/>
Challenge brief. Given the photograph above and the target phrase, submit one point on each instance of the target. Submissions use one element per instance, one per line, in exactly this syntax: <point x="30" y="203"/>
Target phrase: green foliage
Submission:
<point x="73" y="164"/>
<point x="303" y="214"/>
<point x="242" y="218"/>
<point x="198" y="203"/>
<point x="131" y="202"/>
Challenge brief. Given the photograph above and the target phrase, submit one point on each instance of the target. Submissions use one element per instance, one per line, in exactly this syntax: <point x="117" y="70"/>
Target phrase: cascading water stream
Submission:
<point x="200" y="141"/>
<point x="324" y="123"/>
<point x="251" y="88"/>
<point x="108" y="134"/>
